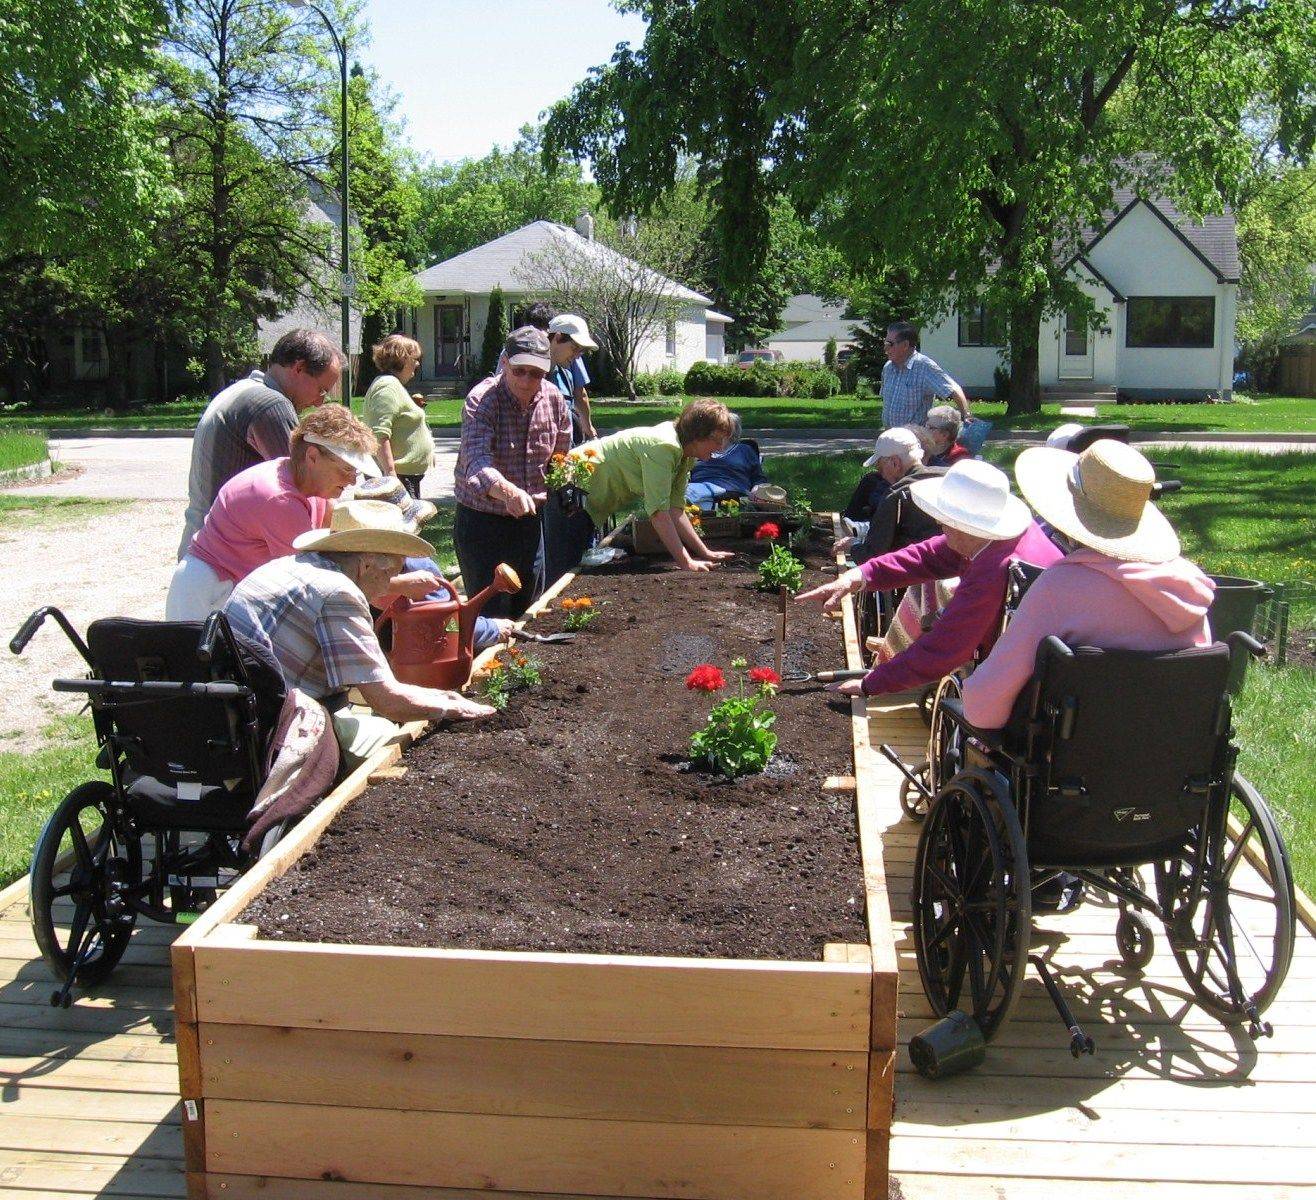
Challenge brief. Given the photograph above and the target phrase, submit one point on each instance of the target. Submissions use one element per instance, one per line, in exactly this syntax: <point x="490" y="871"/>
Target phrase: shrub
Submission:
<point x="829" y="354"/>
<point x="646" y="384"/>
<point x="781" y="569"/>
<point x="786" y="380"/>
<point x="1001" y="384"/>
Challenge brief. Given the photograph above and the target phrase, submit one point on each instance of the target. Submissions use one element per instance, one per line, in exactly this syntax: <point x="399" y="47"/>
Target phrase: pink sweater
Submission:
<point x="254" y="519"/>
<point x="1088" y="599"/>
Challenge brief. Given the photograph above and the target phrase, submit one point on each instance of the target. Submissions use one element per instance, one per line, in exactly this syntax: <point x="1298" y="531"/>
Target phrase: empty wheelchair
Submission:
<point x="1119" y="768"/>
<point x="183" y="714"/>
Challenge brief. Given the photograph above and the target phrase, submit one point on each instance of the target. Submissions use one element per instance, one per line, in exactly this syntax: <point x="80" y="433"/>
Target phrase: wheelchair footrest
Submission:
<point x="1079" y="1042"/>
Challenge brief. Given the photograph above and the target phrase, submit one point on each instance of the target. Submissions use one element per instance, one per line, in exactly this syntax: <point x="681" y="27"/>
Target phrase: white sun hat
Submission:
<point x="575" y="328"/>
<point x="898" y="442"/>
<point x="1058" y="438"/>
<point x="366" y="527"/>
<point x="362" y="463"/>
<point x="974" y="498"/>
<point x="1101" y="498"/>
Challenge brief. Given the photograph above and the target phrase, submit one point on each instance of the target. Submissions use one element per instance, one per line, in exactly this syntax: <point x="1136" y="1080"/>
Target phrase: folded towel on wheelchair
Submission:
<point x="303" y="762"/>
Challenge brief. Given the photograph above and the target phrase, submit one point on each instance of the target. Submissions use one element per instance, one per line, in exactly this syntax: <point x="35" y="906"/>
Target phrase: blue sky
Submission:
<point x="470" y="73"/>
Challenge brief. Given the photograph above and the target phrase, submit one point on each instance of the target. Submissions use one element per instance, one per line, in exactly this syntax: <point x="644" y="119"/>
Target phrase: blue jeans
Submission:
<point x="566" y="538"/>
<point x="483" y="540"/>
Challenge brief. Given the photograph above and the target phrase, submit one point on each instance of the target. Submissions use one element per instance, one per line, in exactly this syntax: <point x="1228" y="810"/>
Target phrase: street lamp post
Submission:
<point x="340" y="45"/>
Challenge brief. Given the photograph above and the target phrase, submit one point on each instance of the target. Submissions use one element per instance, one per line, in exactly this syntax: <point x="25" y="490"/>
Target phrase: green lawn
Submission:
<point x="52" y="510"/>
<point x="33" y="782"/>
<point x="1275" y="414"/>
<point x="20" y="448"/>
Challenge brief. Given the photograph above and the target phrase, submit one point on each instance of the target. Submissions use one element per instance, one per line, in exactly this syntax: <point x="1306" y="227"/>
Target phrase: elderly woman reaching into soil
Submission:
<point x="651" y="464"/>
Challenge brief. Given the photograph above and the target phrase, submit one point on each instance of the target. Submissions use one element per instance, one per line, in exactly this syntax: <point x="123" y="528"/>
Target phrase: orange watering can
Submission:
<point x="432" y="639"/>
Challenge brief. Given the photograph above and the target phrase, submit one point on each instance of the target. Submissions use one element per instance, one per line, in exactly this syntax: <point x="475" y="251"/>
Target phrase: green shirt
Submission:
<point x="643" y="464"/>
<point x="391" y="413"/>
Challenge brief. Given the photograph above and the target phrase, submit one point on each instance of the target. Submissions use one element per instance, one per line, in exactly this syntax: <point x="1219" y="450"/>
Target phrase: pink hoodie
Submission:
<point x="1089" y="599"/>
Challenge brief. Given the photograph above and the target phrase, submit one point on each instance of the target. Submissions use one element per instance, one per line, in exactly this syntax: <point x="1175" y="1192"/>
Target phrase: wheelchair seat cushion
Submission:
<point x="159" y="804"/>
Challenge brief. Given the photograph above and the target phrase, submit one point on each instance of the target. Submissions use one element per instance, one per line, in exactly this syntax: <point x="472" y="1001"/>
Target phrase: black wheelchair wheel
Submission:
<point x="971" y="901"/>
<point x="1135" y="940"/>
<point x="1232" y="930"/>
<point x="78" y="858"/>
<point x="945" y="738"/>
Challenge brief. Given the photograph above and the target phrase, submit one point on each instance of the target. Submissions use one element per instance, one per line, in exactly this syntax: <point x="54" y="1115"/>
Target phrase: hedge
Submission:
<point x="800" y="380"/>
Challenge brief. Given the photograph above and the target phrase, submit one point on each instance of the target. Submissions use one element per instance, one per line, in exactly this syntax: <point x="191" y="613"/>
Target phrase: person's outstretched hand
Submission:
<point x="463" y="708"/>
<point x="721" y="555"/>
<point x="847" y="687"/>
<point x="830" y="595"/>
<point x="697" y="564"/>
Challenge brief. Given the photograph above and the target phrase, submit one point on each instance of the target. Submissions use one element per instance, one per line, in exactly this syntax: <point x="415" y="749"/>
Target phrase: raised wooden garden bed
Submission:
<point x="327" y="1069"/>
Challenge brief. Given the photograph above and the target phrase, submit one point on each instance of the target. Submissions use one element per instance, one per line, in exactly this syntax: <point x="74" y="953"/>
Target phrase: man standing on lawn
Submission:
<point x="250" y="421"/>
<point x="912" y="382"/>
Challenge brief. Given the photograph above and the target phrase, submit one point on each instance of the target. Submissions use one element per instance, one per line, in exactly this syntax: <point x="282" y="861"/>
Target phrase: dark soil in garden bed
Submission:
<point x="572" y="821"/>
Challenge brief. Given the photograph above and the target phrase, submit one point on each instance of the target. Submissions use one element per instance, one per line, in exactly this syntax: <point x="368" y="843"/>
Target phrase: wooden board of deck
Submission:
<point x="1173" y="1105"/>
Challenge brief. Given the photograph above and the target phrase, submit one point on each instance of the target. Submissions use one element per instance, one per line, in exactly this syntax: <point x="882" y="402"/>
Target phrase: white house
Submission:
<point x="450" y="324"/>
<point x="1166" y="287"/>
<point x="807" y="324"/>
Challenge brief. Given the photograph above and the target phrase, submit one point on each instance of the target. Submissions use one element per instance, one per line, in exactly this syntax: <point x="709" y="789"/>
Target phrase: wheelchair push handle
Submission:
<point x="210" y="633"/>
<point x="1165" y="487"/>
<point x="18" y="643"/>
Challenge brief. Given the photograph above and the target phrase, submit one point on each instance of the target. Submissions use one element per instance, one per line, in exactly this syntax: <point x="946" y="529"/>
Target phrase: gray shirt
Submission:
<point x="245" y="424"/>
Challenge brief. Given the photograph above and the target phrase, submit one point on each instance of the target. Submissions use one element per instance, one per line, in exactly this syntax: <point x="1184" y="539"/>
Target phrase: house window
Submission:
<point x="1170" y="322"/>
<point x="980" y="325"/>
<point x="89" y="355"/>
<point x="671" y="339"/>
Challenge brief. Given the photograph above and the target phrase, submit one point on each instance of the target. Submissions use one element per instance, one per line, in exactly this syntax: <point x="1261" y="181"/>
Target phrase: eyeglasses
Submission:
<point x="522" y="372"/>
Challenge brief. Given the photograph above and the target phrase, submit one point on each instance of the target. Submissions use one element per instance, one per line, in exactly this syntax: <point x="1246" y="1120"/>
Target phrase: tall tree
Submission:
<point x="385" y="206"/>
<point x="967" y="145"/>
<point x="77" y="148"/>
<point x="465" y="204"/>
<point x="241" y="95"/>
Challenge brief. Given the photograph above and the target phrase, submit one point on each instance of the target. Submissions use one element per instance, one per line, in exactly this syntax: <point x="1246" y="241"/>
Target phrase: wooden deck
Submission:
<point x="1173" y="1106"/>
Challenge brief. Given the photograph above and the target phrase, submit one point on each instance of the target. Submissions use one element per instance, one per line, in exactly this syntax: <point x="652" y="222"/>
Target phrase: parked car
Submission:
<point x="747" y="358"/>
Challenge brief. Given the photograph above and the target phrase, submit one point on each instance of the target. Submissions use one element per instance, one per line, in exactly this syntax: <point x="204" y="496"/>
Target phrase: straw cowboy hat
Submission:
<point x="973" y="497"/>
<point x="1101" y="498"/>
<point x="389" y="488"/>
<point x="365" y="527"/>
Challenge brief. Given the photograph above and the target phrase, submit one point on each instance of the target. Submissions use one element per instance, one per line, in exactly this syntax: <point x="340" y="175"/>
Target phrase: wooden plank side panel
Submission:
<point x="532" y="1154"/>
<point x="700" y="1085"/>
<point x="590" y="998"/>
<point x="263" y="1187"/>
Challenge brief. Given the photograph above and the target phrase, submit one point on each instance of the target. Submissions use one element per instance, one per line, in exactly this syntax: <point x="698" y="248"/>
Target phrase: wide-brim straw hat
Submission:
<point x="1100" y="498"/>
<point x="390" y="488"/>
<point x="365" y="527"/>
<point x="974" y="498"/>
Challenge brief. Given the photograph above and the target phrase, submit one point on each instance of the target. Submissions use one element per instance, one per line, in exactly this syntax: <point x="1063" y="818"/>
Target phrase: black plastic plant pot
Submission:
<point x="1234" y="608"/>
<point x="953" y="1044"/>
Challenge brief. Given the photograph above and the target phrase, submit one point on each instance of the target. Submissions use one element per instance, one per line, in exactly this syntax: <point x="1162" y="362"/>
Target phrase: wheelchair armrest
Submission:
<point x="953" y="707"/>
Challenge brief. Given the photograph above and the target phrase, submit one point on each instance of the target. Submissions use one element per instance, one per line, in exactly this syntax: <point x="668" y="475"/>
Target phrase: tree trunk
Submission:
<point x="1025" y="386"/>
<point x="372" y="331"/>
<point x="117" y="356"/>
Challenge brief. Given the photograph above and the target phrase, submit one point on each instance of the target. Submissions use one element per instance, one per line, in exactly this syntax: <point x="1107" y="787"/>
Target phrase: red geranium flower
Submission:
<point x="769" y="529"/>
<point x="705" y="678"/>
<point x="765" y="675"/>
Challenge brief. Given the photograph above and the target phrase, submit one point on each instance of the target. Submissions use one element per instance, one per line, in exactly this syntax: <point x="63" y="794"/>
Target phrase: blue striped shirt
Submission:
<point x="909" y="391"/>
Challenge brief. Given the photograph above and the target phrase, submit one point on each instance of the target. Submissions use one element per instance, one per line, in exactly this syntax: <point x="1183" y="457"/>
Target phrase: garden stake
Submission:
<point x="781" y="632"/>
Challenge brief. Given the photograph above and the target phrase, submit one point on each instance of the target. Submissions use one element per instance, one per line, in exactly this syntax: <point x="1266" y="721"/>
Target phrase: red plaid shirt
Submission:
<point x="502" y="440"/>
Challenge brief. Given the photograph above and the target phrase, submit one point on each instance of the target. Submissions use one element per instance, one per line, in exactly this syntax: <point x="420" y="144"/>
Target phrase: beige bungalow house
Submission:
<point x="450" y="323"/>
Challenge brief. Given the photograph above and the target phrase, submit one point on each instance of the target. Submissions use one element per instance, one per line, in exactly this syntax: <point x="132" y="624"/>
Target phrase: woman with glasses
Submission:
<point x="406" y="446"/>
<point x="512" y="424"/>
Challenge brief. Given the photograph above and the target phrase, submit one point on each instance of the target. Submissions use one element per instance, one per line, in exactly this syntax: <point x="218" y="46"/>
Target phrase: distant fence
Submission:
<point x="1297" y="369"/>
<point x="1272" y="622"/>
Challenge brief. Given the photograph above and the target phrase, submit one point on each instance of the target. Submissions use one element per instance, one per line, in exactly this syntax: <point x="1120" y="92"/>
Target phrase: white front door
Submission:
<point x="1075" y="348"/>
